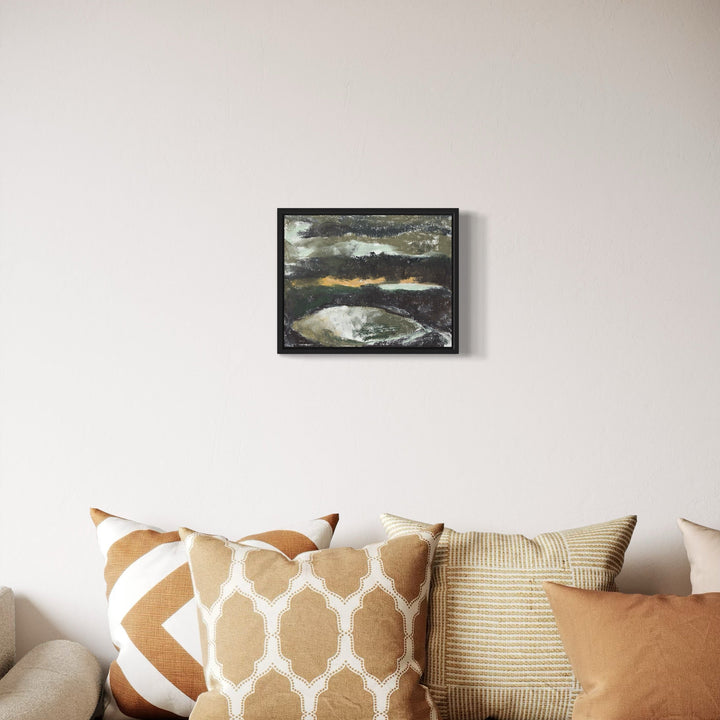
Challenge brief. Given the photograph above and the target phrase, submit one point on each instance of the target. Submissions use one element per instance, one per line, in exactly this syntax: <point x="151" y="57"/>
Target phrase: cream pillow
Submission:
<point x="702" y="545"/>
<point x="493" y="645"/>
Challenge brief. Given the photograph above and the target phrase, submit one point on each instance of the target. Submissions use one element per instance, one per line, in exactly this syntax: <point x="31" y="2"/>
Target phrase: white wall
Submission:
<point x="144" y="148"/>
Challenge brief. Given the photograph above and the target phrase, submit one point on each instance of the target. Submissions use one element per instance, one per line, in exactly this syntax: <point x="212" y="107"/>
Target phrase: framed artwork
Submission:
<point x="367" y="280"/>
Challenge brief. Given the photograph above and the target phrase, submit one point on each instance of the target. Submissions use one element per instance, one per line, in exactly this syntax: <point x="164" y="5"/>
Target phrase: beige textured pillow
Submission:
<point x="641" y="657"/>
<point x="702" y="545"/>
<point x="331" y="635"/>
<point x="152" y="613"/>
<point x="493" y="646"/>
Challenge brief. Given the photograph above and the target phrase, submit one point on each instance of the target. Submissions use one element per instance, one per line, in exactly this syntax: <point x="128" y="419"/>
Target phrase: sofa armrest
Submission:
<point x="58" y="679"/>
<point x="7" y="629"/>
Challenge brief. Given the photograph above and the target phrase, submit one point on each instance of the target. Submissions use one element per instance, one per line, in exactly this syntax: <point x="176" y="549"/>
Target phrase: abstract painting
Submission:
<point x="367" y="280"/>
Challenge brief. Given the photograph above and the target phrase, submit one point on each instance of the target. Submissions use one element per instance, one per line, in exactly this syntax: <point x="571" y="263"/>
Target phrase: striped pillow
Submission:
<point x="493" y="645"/>
<point x="152" y="613"/>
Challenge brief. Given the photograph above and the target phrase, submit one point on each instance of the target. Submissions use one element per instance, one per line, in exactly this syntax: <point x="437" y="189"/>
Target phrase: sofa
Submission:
<point x="57" y="680"/>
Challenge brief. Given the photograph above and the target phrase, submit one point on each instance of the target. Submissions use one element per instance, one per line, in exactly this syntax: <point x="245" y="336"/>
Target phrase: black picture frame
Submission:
<point x="371" y="280"/>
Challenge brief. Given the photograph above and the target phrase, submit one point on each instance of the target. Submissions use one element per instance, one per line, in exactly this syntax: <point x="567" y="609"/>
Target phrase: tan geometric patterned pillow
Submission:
<point x="332" y="635"/>
<point x="152" y="614"/>
<point x="493" y="646"/>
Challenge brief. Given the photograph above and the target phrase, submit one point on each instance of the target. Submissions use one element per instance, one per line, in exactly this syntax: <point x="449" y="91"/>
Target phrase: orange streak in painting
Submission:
<point x="330" y="281"/>
<point x="349" y="282"/>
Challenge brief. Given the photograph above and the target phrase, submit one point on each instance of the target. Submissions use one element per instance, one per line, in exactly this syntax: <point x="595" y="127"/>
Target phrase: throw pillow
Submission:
<point x="493" y="647"/>
<point x="153" y="619"/>
<point x="702" y="545"/>
<point x="641" y="657"/>
<point x="332" y="635"/>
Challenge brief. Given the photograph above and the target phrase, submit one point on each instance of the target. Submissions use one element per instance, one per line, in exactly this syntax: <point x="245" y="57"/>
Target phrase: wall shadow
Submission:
<point x="472" y="300"/>
<point x="473" y="282"/>
<point x="661" y="569"/>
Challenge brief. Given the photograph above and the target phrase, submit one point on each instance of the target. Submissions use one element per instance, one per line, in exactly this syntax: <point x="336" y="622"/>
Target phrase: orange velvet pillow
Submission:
<point x="641" y="657"/>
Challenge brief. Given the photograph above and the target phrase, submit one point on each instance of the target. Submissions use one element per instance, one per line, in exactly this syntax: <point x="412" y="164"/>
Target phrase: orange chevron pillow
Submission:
<point x="152" y="612"/>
